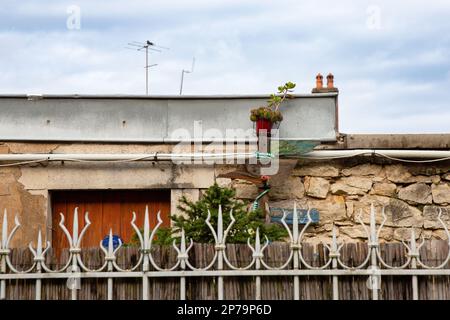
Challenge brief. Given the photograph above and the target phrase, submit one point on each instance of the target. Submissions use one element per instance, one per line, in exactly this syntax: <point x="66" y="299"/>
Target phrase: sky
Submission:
<point x="390" y="59"/>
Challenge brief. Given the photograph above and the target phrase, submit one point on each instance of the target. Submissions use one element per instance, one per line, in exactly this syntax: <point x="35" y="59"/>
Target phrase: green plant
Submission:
<point x="246" y="222"/>
<point x="163" y="236"/>
<point x="265" y="113"/>
<point x="271" y="112"/>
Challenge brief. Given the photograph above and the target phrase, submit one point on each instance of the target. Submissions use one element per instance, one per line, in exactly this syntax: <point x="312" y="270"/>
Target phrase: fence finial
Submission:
<point x="75" y="227"/>
<point x="146" y="229"/>
<point x="295" y="224"/>
<point x="334" y="239"/>
<point x="110" y="242"/>
<point x="412" y="241"/>
<point x="257" y="241"/>
<point x="4" y="230"/>
<point x="373" y="227"/>
<point x="39" y="244"/>
<point x="219" y="225"/>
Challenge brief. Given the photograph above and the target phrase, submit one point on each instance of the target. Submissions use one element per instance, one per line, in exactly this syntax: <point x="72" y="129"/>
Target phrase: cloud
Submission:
<point x="391" y="78"/>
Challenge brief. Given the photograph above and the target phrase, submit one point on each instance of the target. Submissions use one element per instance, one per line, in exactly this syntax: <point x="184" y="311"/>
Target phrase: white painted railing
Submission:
<point x="296" y="266"/>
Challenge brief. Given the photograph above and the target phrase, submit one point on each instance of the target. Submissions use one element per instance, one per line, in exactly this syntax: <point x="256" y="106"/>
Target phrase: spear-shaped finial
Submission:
<point x="220" y="225"/>
<point x="334" y="239"/>
<point x="257" y="242"/>
<point x="39" y="244"/>
<point x="373" y="230"/>
<point x="146" y="229"/>
<point x="110" y="242"/>
<point x="183" y="241"/>
<point x="75" y="227"/>
<point x="4" y="230"/>
<point x="412" y="242"/>
<point x="295" y="224"/>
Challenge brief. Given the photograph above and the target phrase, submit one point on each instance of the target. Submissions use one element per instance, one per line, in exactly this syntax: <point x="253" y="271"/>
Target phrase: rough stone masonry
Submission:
<point x="340" y="189"/>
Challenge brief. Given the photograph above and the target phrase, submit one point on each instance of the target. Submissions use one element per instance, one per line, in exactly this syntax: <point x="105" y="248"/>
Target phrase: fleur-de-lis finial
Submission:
<point x="6" y="237"/>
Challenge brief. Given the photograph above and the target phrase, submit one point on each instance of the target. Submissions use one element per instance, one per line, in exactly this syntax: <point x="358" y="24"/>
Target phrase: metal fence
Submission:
<point x="373" y="267"/>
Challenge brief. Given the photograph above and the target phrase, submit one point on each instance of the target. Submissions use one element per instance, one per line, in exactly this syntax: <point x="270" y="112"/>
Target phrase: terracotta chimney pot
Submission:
<point x="319" y="84"/>
<point x="319" y="81"/>
<point x="330" y="81"/>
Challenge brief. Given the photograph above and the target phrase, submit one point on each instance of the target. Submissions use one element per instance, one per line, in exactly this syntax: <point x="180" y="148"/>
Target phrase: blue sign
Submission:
<point x="116" y="240"/>
<point x="277" y="213"/>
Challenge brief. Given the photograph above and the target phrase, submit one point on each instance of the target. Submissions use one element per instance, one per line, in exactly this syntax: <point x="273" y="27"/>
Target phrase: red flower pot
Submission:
<point x="263" y="124"/>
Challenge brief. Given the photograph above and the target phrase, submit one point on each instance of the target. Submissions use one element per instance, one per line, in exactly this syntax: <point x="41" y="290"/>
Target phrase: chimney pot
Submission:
<point x="319" y="81"/>
<point x="330" y="81"/>
<point x="319" y="84"/>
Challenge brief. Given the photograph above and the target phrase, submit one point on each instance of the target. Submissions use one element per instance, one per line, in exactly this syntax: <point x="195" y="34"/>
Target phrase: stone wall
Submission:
<point x="341" y="190"/>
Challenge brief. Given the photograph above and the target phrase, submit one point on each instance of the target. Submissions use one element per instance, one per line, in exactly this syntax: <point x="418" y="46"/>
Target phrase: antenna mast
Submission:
<point x="186" y="71"/>
<point x="148" y="45"/>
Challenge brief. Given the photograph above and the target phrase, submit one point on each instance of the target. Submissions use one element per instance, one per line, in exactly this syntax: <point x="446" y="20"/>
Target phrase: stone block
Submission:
<point x="398" y="173"/>
<point x="416" y="193"/>
<point x="330" y="209"/>
<point x="366" y="169"/>
<point x="316" y="171"/>
<point x="293" y="188"/>
<point x="398" y="212"/>
<point x="351" y="186"/>
<point x="317" y="187"/>
<point x="441" y="193"/>
<point x="246" y="191"/>
<point x="404" y="234"/>
<point x="384" y="189"/>
<point x="430" y="216"/>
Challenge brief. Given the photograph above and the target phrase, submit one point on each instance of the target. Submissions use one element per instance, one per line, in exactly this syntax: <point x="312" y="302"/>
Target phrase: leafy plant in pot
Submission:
<point x="266" y="117"/>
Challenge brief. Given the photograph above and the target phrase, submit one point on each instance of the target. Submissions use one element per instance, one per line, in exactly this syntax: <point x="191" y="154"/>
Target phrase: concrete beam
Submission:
<point x="390" y="141"/>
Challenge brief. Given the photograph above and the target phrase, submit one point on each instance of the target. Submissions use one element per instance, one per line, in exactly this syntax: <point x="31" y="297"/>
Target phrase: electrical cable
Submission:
<point x="258" y="155"/>
<point x="374" y="153"/>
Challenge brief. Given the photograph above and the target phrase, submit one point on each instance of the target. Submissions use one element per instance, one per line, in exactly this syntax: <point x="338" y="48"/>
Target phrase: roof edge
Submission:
<point x="156" y="97"/>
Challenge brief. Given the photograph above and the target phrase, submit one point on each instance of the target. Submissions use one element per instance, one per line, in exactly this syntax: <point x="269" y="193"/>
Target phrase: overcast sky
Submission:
<point x="390" y="59"/>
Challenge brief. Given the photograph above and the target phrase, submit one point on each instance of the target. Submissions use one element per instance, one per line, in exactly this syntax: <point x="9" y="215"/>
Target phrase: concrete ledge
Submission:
<point x="390" y="141"/>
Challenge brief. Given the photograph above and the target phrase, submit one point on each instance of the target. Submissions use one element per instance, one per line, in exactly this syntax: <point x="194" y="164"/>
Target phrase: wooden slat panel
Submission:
<point x="127" y="206"/>
<point x="58" y="238"/>
<point x="92" y="202"/>
<point x="107" y="209"/>
<point x="111" y="212"/>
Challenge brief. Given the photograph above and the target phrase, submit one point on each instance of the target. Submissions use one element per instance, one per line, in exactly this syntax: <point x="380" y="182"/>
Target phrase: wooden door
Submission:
<point x="107" y="209"/>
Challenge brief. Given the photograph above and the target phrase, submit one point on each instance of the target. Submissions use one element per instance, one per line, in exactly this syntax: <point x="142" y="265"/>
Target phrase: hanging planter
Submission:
<point x="269" y="117"/>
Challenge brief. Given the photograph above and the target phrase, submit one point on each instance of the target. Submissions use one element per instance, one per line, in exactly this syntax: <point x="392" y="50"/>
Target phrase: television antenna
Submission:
<point x="186" y="71"/>
<point x="144" y="47"/>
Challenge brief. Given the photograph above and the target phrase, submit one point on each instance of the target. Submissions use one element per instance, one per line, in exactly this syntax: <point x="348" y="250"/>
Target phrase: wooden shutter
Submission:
<point x="107" y="209"/>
